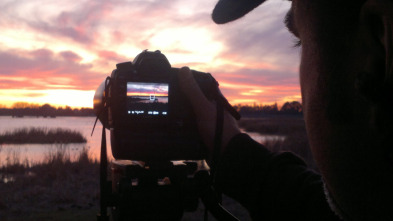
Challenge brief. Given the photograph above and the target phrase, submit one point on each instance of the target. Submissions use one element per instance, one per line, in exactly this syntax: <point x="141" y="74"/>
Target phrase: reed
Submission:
<point x="57" y="183"/>
<point x="41" y="135"/>
<point x="61" y="183"/>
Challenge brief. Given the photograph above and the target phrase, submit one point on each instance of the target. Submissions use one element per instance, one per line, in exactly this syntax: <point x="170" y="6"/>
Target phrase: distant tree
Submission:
<point x="247" y="109"/>
<point x="20" y="109"/>
<point x="87" y="111"/>
<point x="47" y="110"/>
<point x="293" y="107"/>
<point x="22" y="105"/>
<point x="68" y="111"/>
<point x="4" y="111"/>
<point x="271" y="109"/>
<point x="257" y="109"/>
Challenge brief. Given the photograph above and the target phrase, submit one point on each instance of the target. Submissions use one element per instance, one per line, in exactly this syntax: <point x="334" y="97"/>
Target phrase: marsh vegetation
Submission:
<point x="62" y="187"/>
<point x="41" y="135"/>
<point x="55" y="184"/>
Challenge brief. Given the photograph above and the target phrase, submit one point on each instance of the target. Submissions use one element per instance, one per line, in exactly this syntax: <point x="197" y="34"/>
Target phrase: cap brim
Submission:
<point x="229" y="10"/>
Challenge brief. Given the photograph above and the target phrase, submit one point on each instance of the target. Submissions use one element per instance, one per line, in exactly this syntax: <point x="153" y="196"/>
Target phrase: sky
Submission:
<point x="58" y="52"/>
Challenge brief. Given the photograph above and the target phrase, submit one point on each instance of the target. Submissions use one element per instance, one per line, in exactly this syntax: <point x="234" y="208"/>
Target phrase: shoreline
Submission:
<point x="61" y="187"/>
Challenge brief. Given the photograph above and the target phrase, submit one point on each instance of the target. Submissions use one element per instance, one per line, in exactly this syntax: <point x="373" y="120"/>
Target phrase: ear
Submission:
<point x="376" y="30"/>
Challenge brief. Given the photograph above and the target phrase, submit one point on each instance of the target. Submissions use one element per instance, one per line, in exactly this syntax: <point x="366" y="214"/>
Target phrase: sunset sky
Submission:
<point x="58" y="52"/>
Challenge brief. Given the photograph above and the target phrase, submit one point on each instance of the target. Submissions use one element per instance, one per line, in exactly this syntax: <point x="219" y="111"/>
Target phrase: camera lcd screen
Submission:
<point x="147" y="99"/>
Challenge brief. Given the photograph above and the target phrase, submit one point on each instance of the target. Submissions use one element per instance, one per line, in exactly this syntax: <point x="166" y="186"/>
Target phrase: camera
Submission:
<point x="159" y="169"/>
<point x="149" y="117"/>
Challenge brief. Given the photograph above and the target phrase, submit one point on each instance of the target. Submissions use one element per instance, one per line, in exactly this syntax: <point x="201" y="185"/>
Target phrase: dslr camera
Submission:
<point x="149" y="117"/>
<point x="158" y="171"/>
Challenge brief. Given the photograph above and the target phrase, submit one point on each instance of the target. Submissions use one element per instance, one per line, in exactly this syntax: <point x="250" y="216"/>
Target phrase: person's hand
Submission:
<point x="205" y="112"/>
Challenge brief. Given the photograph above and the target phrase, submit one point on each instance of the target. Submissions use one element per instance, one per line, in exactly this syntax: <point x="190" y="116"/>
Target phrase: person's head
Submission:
<point x="346" y="77"/>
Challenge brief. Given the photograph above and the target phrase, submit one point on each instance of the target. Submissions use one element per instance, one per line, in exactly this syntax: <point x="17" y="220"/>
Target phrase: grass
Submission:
<point x="39" y="135"/>
<point x="56" y="184"/>
<point x="60" y="189"/>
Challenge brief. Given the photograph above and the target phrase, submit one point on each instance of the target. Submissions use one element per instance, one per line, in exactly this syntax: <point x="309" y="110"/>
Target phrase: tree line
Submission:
<point x="288" y="108"/>
<point x="21" y="109"/>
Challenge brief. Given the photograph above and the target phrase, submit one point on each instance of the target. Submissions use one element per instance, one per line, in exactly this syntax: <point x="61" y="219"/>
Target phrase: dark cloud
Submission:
<point x="79" y="24"/>
<point x="260" y="77"/>
<point x="105" y="28"/>
<point x="260" y="85"/>
<point x="85" y="22"/>
<point x="110" y="56"/>
<point x="70" y="56"/>
<point x="259" y="52"/>
<point x="44" y="69"/>
<point x="41" y="53"/>
<point x="260" y="36"/>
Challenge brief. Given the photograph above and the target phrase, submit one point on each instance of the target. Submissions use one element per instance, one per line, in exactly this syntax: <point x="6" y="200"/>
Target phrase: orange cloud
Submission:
<point x="74" y="47"/>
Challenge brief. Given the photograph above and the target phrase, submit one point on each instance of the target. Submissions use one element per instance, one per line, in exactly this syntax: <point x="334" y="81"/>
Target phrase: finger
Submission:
<point x="191" y="89"/>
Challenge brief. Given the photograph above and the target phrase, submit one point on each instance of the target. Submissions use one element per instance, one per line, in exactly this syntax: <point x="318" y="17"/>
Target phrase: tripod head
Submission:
<point x="153" y="191"/>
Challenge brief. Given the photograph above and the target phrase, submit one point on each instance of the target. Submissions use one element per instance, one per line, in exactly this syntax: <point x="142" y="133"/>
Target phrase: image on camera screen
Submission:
<point x="147" y="98"/>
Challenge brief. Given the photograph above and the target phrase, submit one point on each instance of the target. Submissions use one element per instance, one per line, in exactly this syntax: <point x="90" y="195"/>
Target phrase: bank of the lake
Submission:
<point x="41" y="135"/>
<point x="34" y="153"/>
<point x="64" y="183"/>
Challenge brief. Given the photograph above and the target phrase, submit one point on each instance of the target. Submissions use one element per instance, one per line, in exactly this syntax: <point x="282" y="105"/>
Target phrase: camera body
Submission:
<point x="149" y="117"/>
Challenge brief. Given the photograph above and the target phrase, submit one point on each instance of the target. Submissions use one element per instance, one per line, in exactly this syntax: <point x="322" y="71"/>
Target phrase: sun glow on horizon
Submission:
<point x="61" y="56"/>
<point x="57" y="98"/>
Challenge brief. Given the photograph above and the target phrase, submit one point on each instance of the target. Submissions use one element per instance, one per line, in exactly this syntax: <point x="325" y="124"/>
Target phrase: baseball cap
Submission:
<point x="229" y="10"/>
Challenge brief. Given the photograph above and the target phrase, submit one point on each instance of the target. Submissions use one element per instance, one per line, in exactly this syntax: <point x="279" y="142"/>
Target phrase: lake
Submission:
<point x="36" y="152"/>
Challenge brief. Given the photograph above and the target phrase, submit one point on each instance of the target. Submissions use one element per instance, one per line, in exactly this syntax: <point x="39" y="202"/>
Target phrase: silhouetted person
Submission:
<point x="346" y="78"/>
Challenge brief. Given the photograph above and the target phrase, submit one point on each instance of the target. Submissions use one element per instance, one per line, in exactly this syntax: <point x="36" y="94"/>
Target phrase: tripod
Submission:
<point x="155" y="190"/>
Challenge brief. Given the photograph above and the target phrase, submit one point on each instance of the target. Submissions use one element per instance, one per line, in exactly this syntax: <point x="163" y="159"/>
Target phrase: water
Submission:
<point x="263" y="138"/>
<point x="37" y="152"/>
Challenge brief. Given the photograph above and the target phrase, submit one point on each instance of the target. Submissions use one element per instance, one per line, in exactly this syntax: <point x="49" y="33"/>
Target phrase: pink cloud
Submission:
<point x="70" y="56"/>
<point x="111" y="56"/>
<point x="43" y="69"/>
<point x="256" y="49"/>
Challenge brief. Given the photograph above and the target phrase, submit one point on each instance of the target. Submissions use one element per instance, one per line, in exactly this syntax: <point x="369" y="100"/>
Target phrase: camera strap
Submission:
<point x="222" y="104"/>
<point x="103" y="216"/>
<point x="217" y="138"/>
<point x="211" y="197"/>
<point x="104" y="110"/>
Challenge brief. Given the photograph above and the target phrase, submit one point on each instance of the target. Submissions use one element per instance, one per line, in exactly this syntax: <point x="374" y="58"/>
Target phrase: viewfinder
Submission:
<point x="147" y="99"/>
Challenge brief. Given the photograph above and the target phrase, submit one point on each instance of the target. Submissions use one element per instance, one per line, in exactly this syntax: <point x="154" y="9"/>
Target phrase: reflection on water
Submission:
<point x="28" y="154"/>
<point x="37" y="152"/>
<point x="263" y="138"/>
<point x="32" y="153"/>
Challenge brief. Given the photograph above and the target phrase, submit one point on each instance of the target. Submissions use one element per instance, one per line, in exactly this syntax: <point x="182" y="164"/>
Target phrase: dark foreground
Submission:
<point x="58" y="189"/>
<point x="49" y="189"/>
